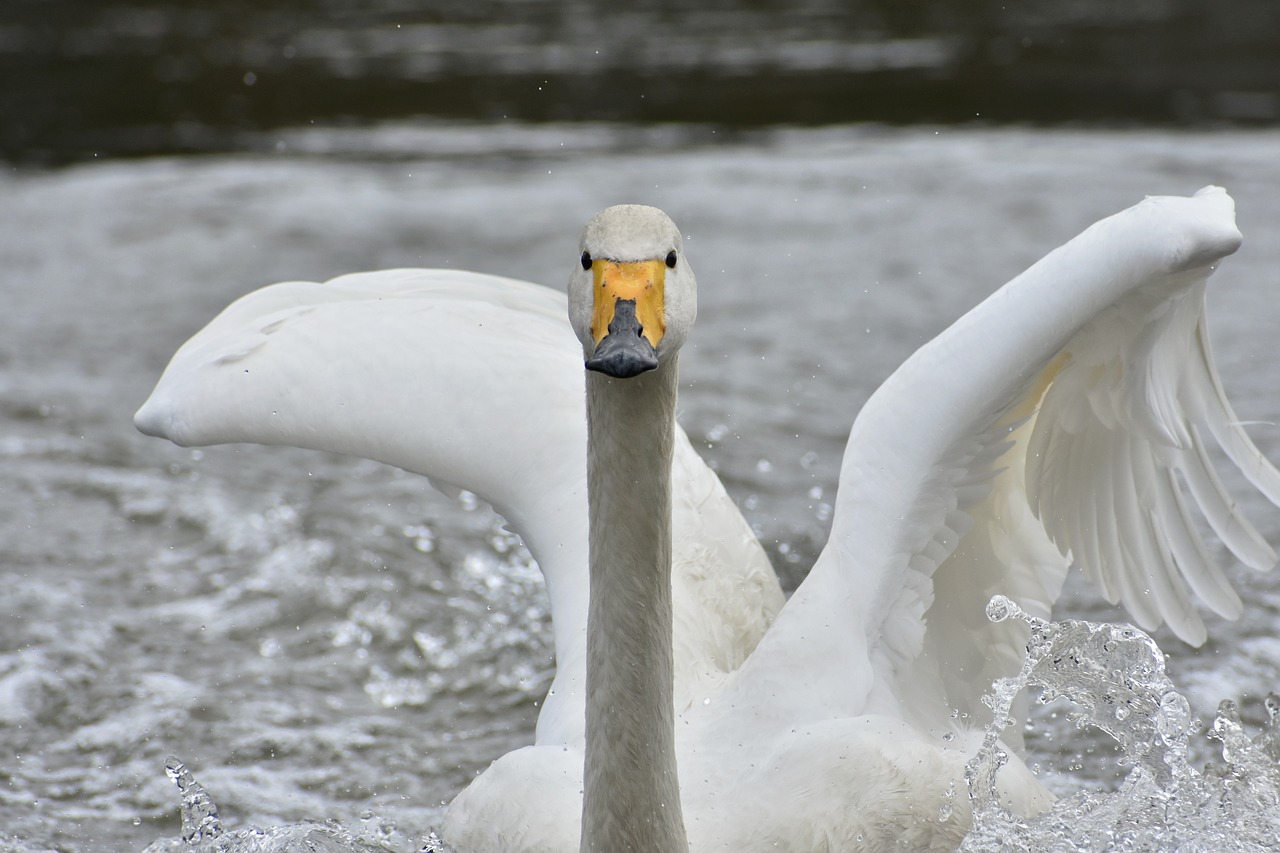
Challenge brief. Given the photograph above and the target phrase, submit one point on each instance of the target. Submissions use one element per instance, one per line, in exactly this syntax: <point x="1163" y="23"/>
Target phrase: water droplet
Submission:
<point x="1000" y="608"/>
<point x="947" y="808"/>
<point x="1174" y="716"/>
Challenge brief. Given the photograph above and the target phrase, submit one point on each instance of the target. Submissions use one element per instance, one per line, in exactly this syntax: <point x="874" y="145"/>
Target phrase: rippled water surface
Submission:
<point x="320" y="637"/>
<point x="88" y="78"/>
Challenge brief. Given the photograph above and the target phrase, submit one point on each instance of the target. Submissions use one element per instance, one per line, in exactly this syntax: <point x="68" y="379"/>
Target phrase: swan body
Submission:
<point x="1065" y="419"/>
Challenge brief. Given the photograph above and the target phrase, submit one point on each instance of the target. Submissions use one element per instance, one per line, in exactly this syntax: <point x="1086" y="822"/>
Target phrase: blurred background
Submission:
<point x="95" y="78"/>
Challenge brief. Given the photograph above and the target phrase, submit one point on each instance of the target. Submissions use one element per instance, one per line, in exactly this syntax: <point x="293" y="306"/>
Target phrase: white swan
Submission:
<point x="1066" y="413"/>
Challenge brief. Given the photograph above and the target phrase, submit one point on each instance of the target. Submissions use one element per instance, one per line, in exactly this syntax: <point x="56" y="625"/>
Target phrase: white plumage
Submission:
<point x="1068" y="414"/>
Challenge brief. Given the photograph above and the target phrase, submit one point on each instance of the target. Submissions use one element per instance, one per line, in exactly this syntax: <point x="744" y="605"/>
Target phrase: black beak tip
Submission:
<point x="624" y="352"/>
<point x="623" y="358"/>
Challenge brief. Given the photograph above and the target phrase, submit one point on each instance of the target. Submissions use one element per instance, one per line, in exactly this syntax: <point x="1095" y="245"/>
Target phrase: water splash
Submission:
<point x="1116" y="675"/>
<point x="200" y="820"/>
<point x="433" y="844"/>
<point x="202" y="830"/>
<point x="1269" y="739"/>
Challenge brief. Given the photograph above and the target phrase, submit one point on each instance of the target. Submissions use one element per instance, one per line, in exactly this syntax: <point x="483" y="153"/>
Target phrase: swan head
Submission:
<point x="632" y="296"/>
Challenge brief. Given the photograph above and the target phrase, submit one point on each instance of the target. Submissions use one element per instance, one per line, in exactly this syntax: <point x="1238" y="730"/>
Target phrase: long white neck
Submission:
<point x="632" y="794"/>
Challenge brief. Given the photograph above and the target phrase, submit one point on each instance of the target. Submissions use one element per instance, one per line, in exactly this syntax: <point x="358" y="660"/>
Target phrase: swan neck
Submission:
<point x="631" y="796"/>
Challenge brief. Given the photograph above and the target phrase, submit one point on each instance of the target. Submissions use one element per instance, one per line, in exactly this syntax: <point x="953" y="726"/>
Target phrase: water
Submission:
<point x="94" y="78"/>
<point x="1116" y="675"/>
<point x="1115" y="672"/>
<point x="319" y="638"/>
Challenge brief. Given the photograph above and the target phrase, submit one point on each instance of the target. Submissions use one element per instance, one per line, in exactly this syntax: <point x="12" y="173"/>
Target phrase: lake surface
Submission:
<point x="320" y="637"/>
<point x="81" y="79"/>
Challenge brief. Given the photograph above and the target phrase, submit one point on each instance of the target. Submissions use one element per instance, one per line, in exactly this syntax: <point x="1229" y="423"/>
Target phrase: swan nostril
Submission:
<point x="625" y="351"/>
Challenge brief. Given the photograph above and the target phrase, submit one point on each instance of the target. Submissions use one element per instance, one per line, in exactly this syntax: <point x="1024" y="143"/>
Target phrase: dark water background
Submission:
<point x="91" y="78"/>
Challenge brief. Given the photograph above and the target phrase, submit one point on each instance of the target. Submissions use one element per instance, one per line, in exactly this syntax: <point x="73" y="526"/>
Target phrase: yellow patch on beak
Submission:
<point x="641" y="281"/>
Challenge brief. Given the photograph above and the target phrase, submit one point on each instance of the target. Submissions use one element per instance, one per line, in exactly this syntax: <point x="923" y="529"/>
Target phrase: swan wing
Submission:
<point x="1067" y="417"/>
<point x="475" y="381"/>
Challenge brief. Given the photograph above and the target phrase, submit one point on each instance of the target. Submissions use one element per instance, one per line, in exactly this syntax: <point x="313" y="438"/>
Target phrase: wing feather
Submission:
<point x="1177" y="527"/>
<point x="1093" y="364"/>
<point x="475" y="381"/>
<point x="1220" y="510"/>
<point x="1213" y="406"/>
<point x="1162" y="589"/>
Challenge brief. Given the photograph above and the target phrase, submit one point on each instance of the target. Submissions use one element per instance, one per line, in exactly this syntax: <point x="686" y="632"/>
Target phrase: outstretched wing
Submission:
<point x="474" y="381"/>
<point x="1066" y="417"/>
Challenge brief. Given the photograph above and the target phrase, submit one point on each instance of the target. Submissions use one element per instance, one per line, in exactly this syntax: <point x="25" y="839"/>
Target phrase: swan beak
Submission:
<point x="628" y="320"/>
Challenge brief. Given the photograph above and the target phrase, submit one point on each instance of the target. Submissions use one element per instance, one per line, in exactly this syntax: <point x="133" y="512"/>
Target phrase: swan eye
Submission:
<point x="671" y="259"/>
<point x="586" y="260"/>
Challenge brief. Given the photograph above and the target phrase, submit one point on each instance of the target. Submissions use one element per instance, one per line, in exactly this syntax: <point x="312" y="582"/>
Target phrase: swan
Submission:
<point x="1065" y="419"/>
